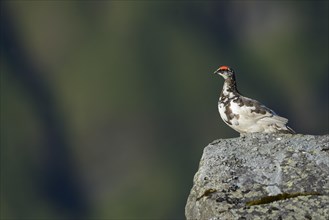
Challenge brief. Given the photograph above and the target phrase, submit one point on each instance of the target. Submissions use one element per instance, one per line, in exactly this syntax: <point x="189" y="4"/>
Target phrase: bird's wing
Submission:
<point x="254" y="109"/>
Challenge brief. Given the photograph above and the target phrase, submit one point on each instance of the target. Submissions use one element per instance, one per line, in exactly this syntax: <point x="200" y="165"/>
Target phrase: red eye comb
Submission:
<point x="224" y="68"/>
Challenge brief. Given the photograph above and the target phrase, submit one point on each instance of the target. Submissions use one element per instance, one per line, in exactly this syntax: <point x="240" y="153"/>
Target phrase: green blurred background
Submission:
<point x="106" y="106"/>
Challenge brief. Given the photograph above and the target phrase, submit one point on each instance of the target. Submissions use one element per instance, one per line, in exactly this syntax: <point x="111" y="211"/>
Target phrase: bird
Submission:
<point x="246" y="115"/>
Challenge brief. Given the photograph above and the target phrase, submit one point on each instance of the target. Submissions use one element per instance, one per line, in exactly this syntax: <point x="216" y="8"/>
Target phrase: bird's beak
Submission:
<point x="216" y="72"/>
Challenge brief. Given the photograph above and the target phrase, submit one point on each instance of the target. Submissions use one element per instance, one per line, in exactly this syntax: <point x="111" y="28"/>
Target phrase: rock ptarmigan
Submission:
<point x="246" y="115"/>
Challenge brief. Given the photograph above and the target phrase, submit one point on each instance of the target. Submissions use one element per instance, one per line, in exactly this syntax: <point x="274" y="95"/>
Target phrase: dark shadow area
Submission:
<point x="57" y="179"/>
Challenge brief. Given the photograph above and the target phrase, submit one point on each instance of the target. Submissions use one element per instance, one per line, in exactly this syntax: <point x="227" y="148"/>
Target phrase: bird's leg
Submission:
<point x="243" y="135"/>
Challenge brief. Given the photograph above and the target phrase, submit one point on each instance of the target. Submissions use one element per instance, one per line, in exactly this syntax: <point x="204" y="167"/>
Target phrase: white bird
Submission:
<point x="246" y="115"/>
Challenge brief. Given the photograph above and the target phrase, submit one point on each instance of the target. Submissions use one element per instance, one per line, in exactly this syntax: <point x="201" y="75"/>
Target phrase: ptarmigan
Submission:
<point x="246" y="115"/>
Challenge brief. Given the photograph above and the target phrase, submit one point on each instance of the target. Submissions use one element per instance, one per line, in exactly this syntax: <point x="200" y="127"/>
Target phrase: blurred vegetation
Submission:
<point x="111" y="119"/>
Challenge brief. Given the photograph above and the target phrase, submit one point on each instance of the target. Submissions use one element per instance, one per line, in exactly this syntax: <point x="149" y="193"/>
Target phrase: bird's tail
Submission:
<point x="290" y="130"/>
<point x="287" y="130"/>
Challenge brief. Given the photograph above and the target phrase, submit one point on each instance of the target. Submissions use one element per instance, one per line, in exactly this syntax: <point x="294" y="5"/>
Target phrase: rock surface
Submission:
<point x="262" y="176"/>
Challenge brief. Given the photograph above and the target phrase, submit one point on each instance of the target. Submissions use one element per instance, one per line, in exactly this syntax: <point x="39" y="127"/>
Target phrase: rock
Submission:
<point x="262" y="176"/>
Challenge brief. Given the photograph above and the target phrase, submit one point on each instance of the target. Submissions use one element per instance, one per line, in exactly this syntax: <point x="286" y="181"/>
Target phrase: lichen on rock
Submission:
<point x="261" y="176"/>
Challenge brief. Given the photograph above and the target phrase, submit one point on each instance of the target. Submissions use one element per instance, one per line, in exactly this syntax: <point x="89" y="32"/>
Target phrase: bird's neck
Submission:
<point x="229" y="87"/>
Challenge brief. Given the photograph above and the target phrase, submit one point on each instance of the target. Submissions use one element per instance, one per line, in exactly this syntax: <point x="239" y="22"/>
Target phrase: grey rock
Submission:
<point x="262" y="176"/>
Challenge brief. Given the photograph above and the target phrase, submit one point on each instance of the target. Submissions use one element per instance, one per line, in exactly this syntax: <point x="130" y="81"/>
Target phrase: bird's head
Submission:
<point x="225" y="72"/>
